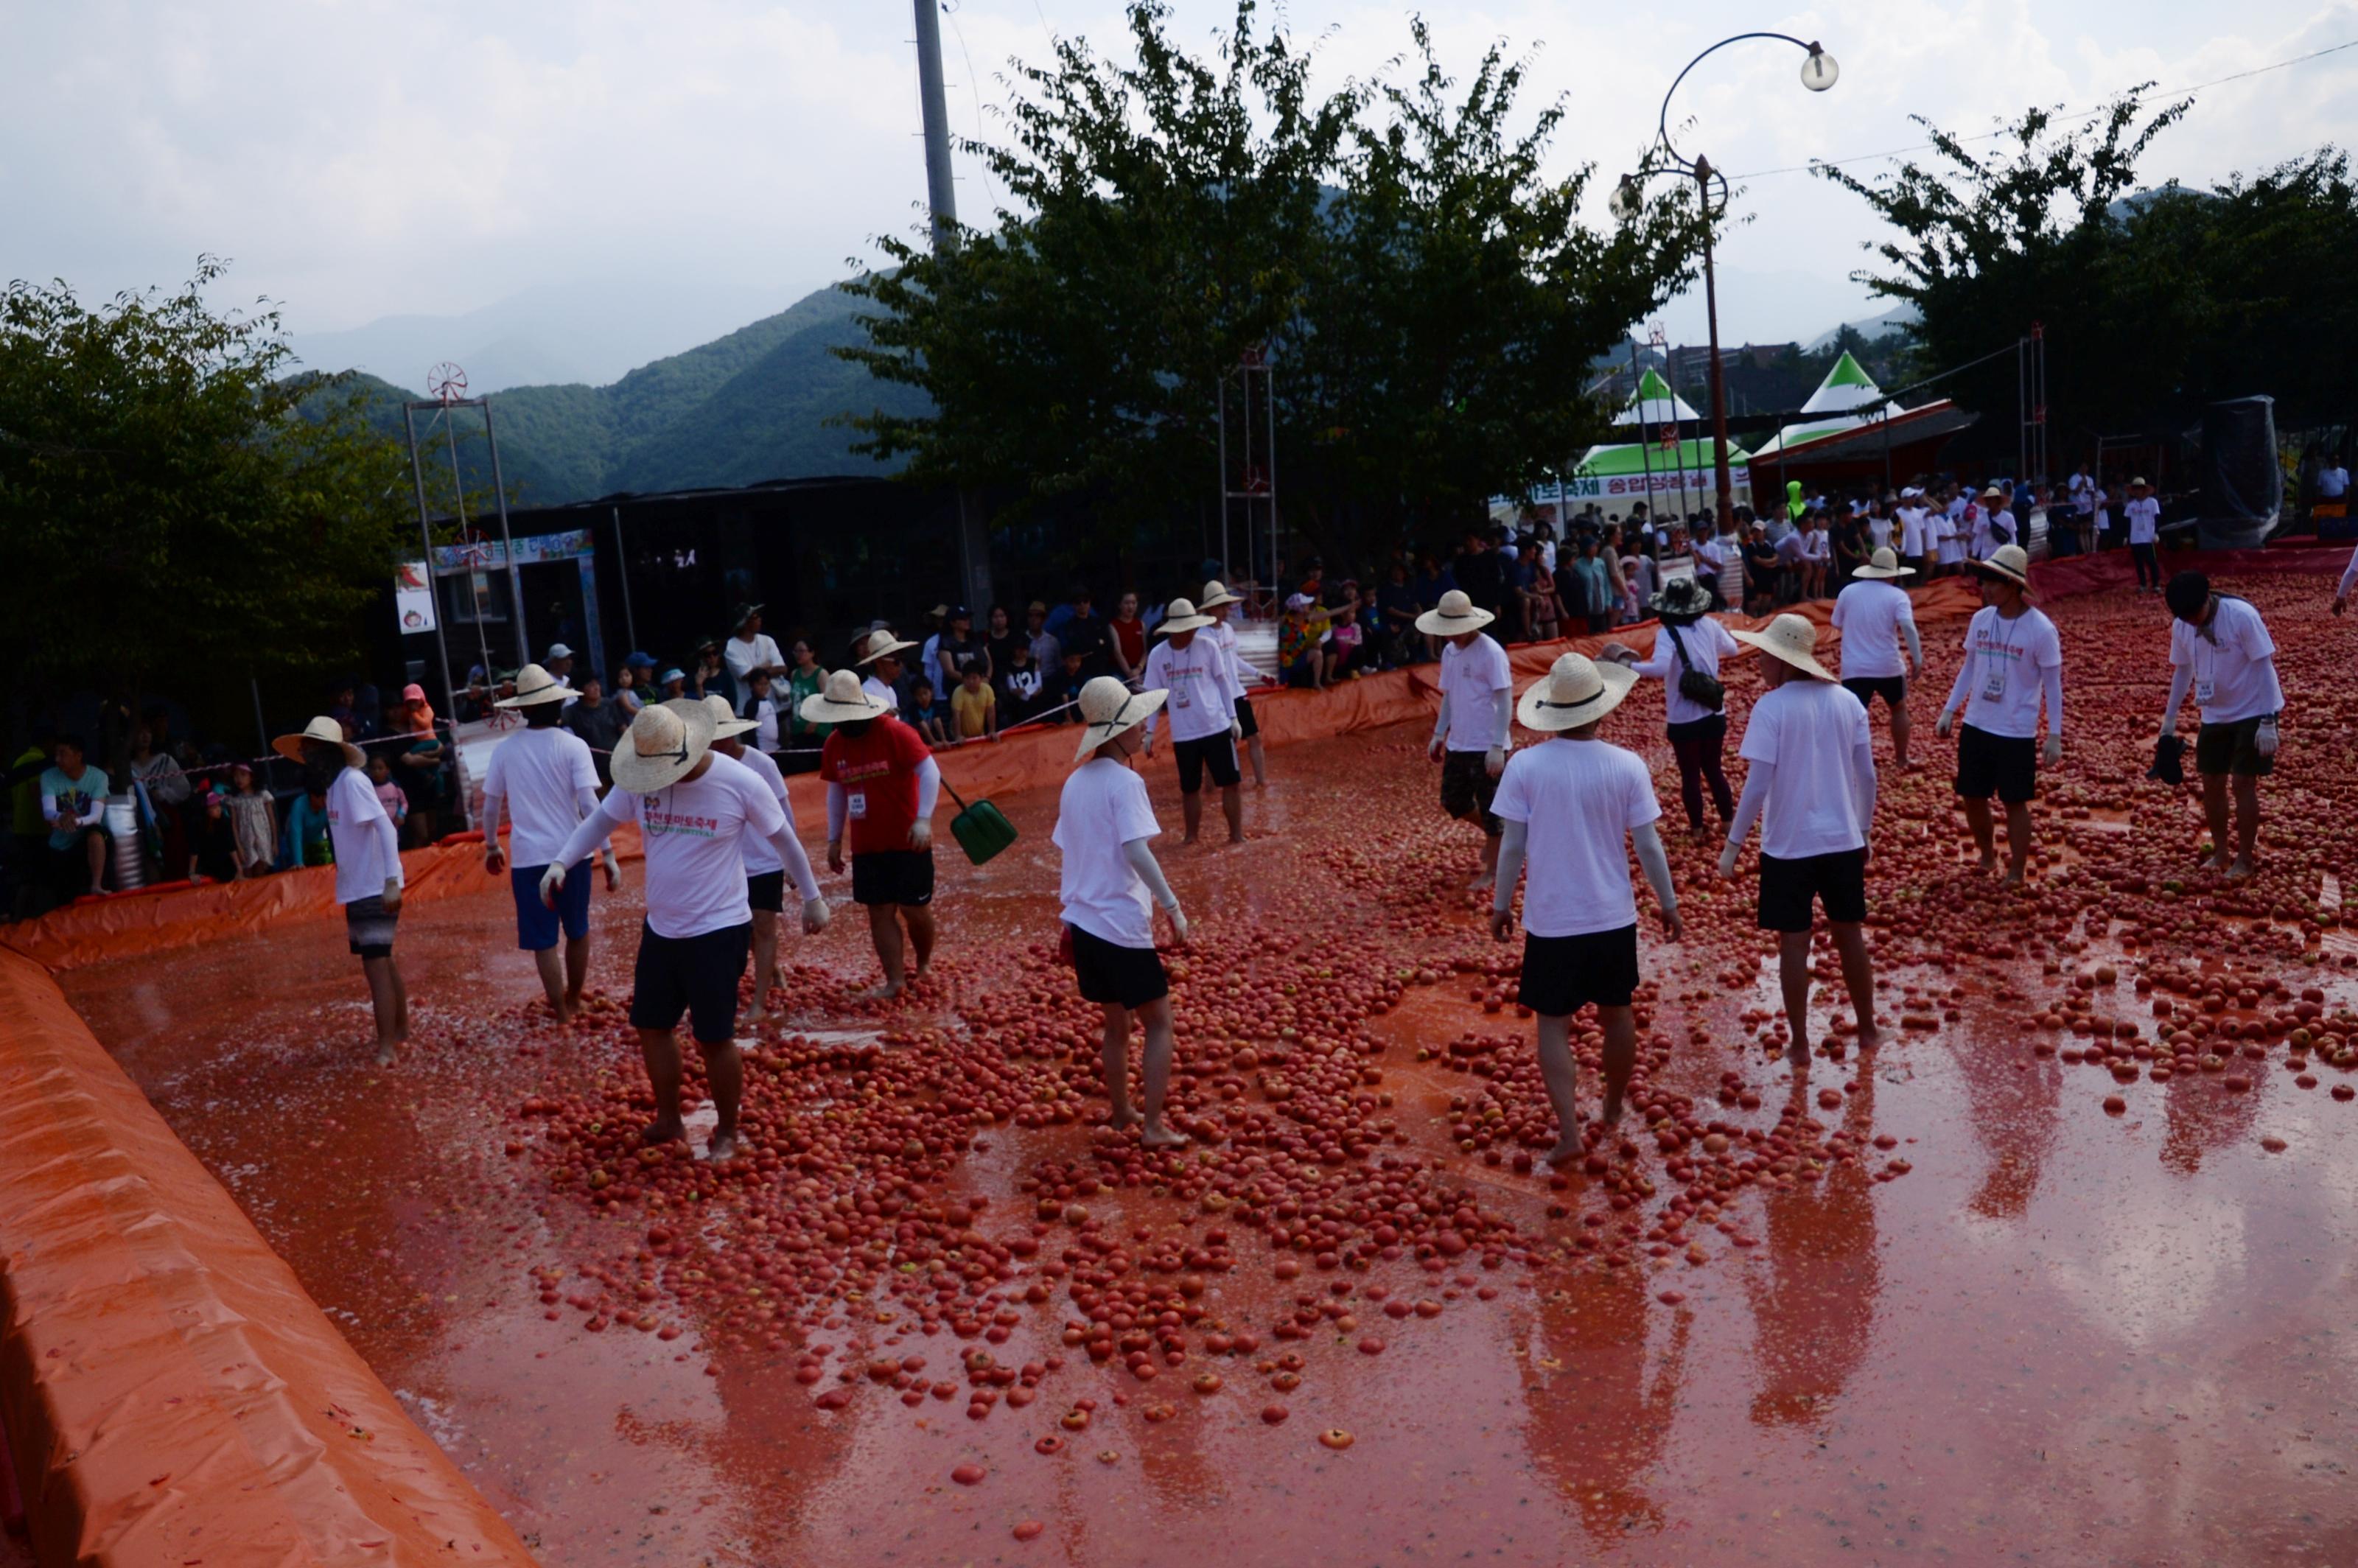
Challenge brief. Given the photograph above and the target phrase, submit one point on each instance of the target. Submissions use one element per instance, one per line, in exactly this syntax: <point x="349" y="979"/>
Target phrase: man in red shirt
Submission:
<point x="882" y="781"/>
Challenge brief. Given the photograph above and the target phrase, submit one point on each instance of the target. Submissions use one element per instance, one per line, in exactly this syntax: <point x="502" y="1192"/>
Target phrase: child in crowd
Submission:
<point x="388" y="793"/>
<point x="1062" y="686"/>
<point x="974" y="711"/>
<point x="254" y="820"/>
<point x="1018" y="683"/>
<point x="762" y="708"/>
<point x="926" y="716"/>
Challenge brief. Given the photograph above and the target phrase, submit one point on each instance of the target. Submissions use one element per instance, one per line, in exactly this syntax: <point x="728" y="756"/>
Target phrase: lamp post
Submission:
<point x="1818" y="73"/>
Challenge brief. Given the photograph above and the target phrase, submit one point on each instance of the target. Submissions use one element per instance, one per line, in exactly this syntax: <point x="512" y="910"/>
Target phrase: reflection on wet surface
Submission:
<point x="1996" y="1323"/>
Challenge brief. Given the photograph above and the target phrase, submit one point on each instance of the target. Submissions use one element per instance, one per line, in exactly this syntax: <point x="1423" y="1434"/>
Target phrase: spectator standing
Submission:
<point x="1061" y="686"/>
<point x="927" y="716"/>
<point x="1685" y="659"/>
<point x="1301" y="655"/>
<point x="254" y="822"/>
<point x="368" y="867"/>
<point x="388" y="793"/>
<point x="881" y="658"/>
<point x="1477" y="571"/>
<point x="543" y="783"/>
<point x="1192" y="673"/>
<point x="598" y="723"/>
<point x="420" y="761"/>
<point x="1084" y="632"/>
<point x="2221" y="651"/>
<point x="1397" y="608"/>
<point x="974" y="707"/>
<point x="670" y="687"/>
<point x="1470" y="732"/>
<point x="749" y="649"/>
<point x="999" y="640"/>
<point x="73" y="804"/>
<point x="1018" y="685"/>
<point x="1129" y="639"/>
<point x="1874" y="614"/>
<point x="958" y="649"/>
<point x="2144" y="515"/>
<point x="881" y="787"/>
<point x="1047" y="652"/>
<point x="760" y="710"/>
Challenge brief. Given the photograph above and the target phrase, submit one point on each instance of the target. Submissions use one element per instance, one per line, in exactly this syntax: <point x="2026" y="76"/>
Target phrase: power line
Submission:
<point x="1986" y="135"/>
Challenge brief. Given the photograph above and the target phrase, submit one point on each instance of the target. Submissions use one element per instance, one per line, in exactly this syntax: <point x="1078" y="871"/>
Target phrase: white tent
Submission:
<point x="1655" y="403"/>
<point x="1845" y="400"/>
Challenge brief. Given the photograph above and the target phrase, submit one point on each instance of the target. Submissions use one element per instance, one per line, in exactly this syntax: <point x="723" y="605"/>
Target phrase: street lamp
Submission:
<point x="1628" y="200"/>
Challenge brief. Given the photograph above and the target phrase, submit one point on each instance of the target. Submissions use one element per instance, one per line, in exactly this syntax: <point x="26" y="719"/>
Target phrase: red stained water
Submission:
<point x="2062" y="1336"/>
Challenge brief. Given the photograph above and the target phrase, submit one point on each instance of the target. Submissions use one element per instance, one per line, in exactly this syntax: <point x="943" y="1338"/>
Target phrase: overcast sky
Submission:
<point x="360" y="159"/>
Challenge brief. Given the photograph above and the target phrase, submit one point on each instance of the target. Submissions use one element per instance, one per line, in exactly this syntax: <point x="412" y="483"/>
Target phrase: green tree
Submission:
<point x="164" y="501"/>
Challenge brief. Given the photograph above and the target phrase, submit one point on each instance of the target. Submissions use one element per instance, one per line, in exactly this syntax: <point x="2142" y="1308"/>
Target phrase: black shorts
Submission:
<point x="1467" y="788"/>
<point x="1245" y="719"/>
<point x="766" y="892"/>
<point x="1217" y="752"/>
<point x="1893" y="690"/>
<point x="1787" y="888"/>
<point x="369" y="926"/>
<point x="2005" y="766"/>
<point x="694" y="974"/>
<point x="2232" y="748"/>
<point x="893" y="876"/>
<point x="1563" y="974"/>
<point x="1114" y="976"/>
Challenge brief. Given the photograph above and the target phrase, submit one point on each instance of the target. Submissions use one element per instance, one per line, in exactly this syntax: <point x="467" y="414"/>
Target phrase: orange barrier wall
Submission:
<point x="171" y="1394"/>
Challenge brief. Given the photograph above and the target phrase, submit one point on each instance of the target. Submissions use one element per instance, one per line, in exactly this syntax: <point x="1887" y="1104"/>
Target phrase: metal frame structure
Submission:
<point x="2031" y="391"/>
<point x="1255" y="481"/>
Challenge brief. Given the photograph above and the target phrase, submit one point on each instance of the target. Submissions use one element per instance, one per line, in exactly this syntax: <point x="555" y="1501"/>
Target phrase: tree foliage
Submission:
<point x="2153" y="301"/>
<point x="1424" y="290"/>
<point x="166" y="505"/>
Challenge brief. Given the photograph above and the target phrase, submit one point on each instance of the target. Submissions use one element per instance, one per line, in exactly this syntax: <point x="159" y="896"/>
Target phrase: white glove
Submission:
<point x="2053" y="751"/>
<point x="1178" y="926"/>
<point x="391" y="897"/>
<point x="614" y="870"/>
<point x="552" y="882"/>
<point x="1728" y="862"/>
<point x="1432" y="753"/>
<point x="1235" y="728"/>
<point x="921" y="833"/>
<point x="815" y="916"/>
<point x="1942" y="726"/>
<point x="2265" y="741"/>
<point x="1493" y="760"/>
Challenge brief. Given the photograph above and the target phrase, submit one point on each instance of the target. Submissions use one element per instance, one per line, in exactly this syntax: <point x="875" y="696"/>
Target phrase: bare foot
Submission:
<point x="722" y="1147"/>
<point x="1798" y="1053"/>
<point x="1237" y="837"/>
<point x="1482" y="880"/>
<point x="1567" y="1149"/>
<point x="1612" y="1116"/>
<point x="384" y="1055"/>
<point x="663" y="1130"/>
<point x="883" y="990"/>
<point x="1186" y="840"/>
<point x="1867" y="1037"/>
<point x="2238" y="869"/>
<point x="1988" y="862"/>
<point x="1122" y="1116"/>
<point x="2013" y="877"/>
<point x="1162" y="1138"/>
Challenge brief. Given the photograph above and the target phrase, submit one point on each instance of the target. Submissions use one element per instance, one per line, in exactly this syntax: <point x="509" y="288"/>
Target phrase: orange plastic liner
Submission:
<point x="171" y="1393"/>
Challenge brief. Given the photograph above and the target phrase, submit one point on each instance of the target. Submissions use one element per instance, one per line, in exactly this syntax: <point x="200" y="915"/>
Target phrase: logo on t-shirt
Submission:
<point x="655" y="820"/>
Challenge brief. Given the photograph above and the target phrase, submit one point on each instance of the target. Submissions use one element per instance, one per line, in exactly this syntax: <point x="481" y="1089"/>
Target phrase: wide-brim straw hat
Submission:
<point x="1577" y="690"/>
<point x="1453" y="614"/>
<point x="879" y="645"/>
<point x="1108" y="708"/>
<point x="326" y="730"/>
<point x="535" y="686"/>
<point x="2140" y="484"/>
<point x="1180" y="616"/>
<point x="843" y="700"/>
<point x="1215" y="594"/>
<point x="1883" y="565"/>
<point x="2008" y="563"/>
<point x="663" y="746"/>
<point x="726" y="724"/>
<point x="1791" y="638"/>
<point x="1682" y="598"/>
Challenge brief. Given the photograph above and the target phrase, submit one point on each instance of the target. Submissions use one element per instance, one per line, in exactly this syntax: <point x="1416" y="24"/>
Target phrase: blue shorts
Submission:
<point x="536" y="923"/>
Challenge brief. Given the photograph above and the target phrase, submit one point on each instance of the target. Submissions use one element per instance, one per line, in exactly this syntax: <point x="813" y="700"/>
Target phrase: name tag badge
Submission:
<point x="857" y="802"/>
<point x="1179" y="699"/>
<point x="2203" y="692"/>
<point x="1994" y="687"/>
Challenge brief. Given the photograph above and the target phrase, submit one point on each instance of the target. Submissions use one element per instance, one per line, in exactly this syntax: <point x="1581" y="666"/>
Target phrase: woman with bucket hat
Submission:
<point x="1469" y="733"/>
<point x="369" y="877"/>
<point x="1687" y="651"/>
<point x="693" y="806"/>
<point x="1811" y="786"/>
<point x="882" y="782"/>
<point x="765" y="869"/>
<point x="1873" y="614"/>
<point x="1568" y="804"/>
<point x="2013" y="657"/>
<point x="1192" y="673"/>
<point x="544" y="781"/>
<point x="1110" y="886"/>
<point x="1215" y="603"/>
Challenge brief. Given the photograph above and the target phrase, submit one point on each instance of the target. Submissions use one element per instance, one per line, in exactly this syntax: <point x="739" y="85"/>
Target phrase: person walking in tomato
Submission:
<point x="882" y="781"/>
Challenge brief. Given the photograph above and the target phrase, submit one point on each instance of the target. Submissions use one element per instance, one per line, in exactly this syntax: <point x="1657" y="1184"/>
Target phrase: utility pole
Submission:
<point x="941" y="200"/>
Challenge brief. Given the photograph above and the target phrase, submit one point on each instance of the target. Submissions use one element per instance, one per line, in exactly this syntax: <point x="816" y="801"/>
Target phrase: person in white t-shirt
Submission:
<point x="1568" y="804"/>
<point x="1109" y="887"/>
<point x="543" y="781"/>
<point x="1192" y="672"/>
<point x="1469" y="733"/>
<point x="694" y="807"/>
<point x="1689" y="642"/>
<point x="1817" y="556"/>
<point x="2220" y="649"/>
<point x="1215" y="603"/>
<point x="765" y="871"/>
<point x="1812" y="788"/>
<point x="2013" y="658"/>
<point x="750" y="649"/>
<point x="369" y="877"/>
<point x="1882" y="527"/>
<point x="2144" y="513"/>
<point x="1915" y="539"/>
<point x="1948" y="545"/>
<point x="881" y="658"/>
<point x="1874" y="614"/>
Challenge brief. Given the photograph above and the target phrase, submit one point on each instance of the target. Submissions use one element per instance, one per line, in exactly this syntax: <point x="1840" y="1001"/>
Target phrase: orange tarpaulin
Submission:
<point x="170" y="1393"/>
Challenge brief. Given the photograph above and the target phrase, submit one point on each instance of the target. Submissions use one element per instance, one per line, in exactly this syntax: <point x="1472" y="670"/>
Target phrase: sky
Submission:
<point x="358" y="159"/>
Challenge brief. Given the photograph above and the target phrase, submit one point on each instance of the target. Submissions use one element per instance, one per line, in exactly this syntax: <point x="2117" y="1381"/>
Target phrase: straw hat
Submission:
<point x="2008" y="563"/>
<point x="726" y="724"/>
<point x="1181" y="617"/>
<point x="1791" y="638"/>
<point x="842" y="701"/>
<point x="1883" y="565"/>
<point x="1575" y="691"/>
<point x="665" y="743"/>
<point x="320" y="728"/>
<point x="1993" y="493"/>
<point x="1682" y="598"/>
<point x="1453" y="614"/>
<point x="1215" y="594"/>
<point x="535" y="686"/>
<point x="1108" y="708"/>
<point x="2140" y="483"/>
<point x="880" y="643"/>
